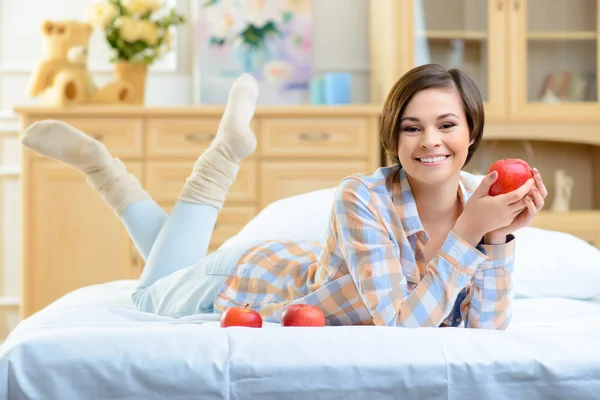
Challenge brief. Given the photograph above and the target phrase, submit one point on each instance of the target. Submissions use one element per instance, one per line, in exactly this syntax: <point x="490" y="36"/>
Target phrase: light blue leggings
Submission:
<point x="178" y="278"/>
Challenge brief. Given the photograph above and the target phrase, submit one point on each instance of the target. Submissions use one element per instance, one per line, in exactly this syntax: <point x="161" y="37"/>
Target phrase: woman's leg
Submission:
<point x="211" y="177"/>
<point x="185" y="237"/>
<point x="119" y="189"/>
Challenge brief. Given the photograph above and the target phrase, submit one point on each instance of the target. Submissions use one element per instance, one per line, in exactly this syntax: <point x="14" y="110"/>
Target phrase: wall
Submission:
<point x="341" y="44"/>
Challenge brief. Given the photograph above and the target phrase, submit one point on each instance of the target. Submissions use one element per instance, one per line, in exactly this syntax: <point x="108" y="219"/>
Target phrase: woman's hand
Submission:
<point x="534" y="201"/>
<point x="484" y="213"/>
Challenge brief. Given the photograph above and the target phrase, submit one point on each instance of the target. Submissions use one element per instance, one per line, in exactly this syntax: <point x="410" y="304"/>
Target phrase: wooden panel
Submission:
<point x="122" y="136"/>
<point x="315" y="137"/>
<point x="165" y="180"/>
<point x="596" y="177"/>
<point x="73" y="237"/>
<point x="181" y="137"/>
<point x="284" y="179"/>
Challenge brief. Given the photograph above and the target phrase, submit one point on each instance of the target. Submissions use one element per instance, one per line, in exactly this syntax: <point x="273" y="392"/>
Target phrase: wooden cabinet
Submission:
<point x="533" y="60"/>
<point x="72" y="239"/>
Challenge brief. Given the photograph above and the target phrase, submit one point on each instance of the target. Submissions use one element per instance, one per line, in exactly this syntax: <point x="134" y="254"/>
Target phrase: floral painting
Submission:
<point x="270" y="39"/>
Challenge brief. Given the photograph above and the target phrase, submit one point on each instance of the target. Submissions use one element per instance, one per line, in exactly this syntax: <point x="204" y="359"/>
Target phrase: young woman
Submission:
<point x="416" y="244"/>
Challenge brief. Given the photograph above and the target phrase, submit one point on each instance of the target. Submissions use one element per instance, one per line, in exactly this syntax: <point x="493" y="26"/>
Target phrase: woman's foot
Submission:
<point x="107" y="175"/>
<point x="216" y="169"/>
<point x="65" y="143"/>
<point x="234" y="132"/>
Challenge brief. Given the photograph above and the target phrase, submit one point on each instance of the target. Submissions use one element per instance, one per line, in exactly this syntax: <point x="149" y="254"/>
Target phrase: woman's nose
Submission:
<point x="430" y="139"/>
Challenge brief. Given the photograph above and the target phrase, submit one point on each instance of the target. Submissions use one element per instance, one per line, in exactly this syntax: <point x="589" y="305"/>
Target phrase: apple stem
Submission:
<point x="246" y="306"/>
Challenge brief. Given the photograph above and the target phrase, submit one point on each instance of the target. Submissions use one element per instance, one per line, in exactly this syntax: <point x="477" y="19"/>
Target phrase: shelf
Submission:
<point x="11" y="172"/>
<point x="453" y="34"/>
<point x="584" y="224"/>
<point x="8" y="301"/>
<point x="582" y="35"/>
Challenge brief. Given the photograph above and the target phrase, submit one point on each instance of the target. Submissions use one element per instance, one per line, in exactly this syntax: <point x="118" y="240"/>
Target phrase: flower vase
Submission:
<point x="134" y="74"/>
<point x="253" y="59"/>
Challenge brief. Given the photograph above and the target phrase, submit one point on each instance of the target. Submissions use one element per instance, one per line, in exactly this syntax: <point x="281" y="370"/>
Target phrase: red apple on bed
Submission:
<point x="237" y="316"/>
<point x="302" y="315"/>
<point x="512" y="173"/>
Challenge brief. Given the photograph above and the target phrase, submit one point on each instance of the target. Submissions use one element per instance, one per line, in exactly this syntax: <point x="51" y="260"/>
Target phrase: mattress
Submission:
<point x="92" y="344"/>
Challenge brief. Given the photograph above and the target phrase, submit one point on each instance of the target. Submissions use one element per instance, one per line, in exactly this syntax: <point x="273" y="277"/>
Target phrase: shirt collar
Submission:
<point x="405" y="204"/>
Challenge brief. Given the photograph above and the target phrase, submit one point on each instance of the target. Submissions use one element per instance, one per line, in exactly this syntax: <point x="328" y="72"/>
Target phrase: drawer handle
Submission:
<point x="98" y="136"/>
<point x="314" y="137"/>
<point x="199" y="137"/>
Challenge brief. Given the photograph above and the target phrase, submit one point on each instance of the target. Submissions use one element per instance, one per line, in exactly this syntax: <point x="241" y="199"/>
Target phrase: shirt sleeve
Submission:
<point x="489" y="297"/>
<point x="375" y="263"/>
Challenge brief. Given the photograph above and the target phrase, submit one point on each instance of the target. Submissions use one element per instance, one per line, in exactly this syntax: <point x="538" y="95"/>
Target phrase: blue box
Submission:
<point x="337" y="88"/>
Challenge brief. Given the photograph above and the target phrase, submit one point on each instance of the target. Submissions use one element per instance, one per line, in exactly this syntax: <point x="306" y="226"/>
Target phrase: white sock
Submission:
<point x="234" y="133"/>
<point x="108" y="175"/>
<point x="216" y="169"/>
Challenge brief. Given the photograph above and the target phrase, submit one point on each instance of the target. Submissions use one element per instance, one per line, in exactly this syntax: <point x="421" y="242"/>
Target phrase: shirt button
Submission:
<point x="477" y="289"/>
<point x="368" y="271"/>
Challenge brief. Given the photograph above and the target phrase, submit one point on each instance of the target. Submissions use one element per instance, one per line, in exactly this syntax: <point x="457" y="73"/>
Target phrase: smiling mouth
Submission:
<point x="433" y="160"/>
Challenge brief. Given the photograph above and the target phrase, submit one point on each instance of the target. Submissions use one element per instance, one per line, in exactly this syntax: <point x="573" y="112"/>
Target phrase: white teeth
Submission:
<point x="433" y="160"/>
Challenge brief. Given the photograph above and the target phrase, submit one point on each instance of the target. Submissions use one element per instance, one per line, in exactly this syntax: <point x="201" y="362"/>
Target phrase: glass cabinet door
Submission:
<point x="554" y="59"/>
<point x="464" y="34"/>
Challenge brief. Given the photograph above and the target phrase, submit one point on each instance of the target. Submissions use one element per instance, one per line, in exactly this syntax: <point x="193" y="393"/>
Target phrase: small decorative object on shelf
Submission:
<point x="62" y="78"/>
<point x="563" y="186"/>
<point x="136" y="34"/>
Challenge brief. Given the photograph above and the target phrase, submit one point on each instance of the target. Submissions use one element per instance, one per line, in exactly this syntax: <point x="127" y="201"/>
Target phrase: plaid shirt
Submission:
<point x="370" y="269"/>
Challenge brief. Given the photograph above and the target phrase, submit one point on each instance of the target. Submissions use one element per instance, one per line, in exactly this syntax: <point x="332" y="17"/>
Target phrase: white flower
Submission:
<point x="137" y="7"/>
<point x="149" y="32"/>
<point x="132" y="30"/>
<point x="100" y="14"/>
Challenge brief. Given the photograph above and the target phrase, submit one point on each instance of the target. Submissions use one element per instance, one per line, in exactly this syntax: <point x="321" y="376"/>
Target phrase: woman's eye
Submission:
<point x="410" y="129"/>
<point x="447" y="125"/>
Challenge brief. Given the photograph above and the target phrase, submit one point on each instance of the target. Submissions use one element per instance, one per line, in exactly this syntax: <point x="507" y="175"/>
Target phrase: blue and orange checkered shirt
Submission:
<point x="370" y="269"/>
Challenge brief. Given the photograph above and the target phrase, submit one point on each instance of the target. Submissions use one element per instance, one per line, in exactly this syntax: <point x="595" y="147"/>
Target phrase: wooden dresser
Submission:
<point x="71" y="238"/>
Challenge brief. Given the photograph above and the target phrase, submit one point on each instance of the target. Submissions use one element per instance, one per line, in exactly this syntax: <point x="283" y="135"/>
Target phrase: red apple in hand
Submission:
<point x="302" y="315"/>
<point x="512" y="173"/>
<point x="237" y="316"/>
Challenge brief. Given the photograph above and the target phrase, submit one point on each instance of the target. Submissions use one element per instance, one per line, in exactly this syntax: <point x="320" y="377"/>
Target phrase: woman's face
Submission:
<point x="434" y="136"/>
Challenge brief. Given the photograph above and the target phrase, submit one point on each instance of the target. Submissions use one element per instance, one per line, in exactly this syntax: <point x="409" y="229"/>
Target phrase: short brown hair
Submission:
<point x="425" y="77"/>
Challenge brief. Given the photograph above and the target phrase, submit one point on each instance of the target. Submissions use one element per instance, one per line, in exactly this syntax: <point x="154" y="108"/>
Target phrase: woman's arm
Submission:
<point x="376" y="266"/>
<point x="489" y="298"/>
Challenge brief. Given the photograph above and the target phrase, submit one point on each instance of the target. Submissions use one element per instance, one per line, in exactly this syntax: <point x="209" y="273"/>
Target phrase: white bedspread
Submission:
<point x="91" y="344"/>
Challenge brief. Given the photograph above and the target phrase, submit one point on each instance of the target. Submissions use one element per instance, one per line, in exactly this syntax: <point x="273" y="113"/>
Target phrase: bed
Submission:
<point x="93" y="344"/>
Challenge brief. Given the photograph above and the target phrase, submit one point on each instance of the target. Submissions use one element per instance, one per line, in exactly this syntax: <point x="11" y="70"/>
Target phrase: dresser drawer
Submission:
<point x="181" y="137"/>
<point x="230" y="221"/>
<point x="285" y="179"/>
<point x="164" y="180"/>
<point x="315" y="137"/>
<point x="122" y="136"/>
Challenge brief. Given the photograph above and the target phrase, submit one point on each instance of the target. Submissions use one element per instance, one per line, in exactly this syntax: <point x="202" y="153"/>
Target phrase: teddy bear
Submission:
<point x="62" y="78"/>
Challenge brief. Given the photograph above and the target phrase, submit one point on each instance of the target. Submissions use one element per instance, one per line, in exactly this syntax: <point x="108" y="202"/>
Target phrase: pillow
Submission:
<point x="547" y="263"/>
<point x="298" y="218"/>
<point x="555" y="264"/>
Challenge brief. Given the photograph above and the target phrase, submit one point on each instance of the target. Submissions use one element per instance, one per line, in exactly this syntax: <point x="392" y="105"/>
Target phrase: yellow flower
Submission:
<point x="100" y="14"/>
<point x="141" y="6"/>
<point x="132" y="30"/>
